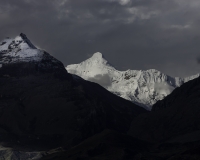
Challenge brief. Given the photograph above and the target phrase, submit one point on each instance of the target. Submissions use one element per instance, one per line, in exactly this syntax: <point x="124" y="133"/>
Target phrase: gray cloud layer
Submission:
<point x="134" y="34"/>
<point x="104" y="80"/>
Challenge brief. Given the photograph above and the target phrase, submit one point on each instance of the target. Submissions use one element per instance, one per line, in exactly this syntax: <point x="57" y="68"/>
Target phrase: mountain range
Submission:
<point x="49" y="114"/>
<point x="42" y="106"/>
<point x="143" y="88"/>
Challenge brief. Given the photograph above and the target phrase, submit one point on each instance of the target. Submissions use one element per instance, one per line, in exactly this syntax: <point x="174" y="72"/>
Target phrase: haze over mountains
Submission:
<point x="144" y="88"/>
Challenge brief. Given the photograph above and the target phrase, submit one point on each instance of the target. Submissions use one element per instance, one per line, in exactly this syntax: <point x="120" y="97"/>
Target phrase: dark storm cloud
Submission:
<point x="198" y="60"/>
<point x="133" y="34"/>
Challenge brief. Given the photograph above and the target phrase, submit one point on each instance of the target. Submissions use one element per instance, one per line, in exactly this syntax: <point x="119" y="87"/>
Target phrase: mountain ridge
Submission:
<point x="45" y="112"/>
<point x="42" y="107"/>
<point x="24" y="58"/>
<point x="142" y="87"/>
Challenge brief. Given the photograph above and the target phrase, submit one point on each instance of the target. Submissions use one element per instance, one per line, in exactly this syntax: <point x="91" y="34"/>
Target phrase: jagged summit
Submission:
<point x="26" y="40"/>
<point x="98" y="59"/>
<point x="97" y="55"/>
<point x="23" y="36"/>
<point x="18" y="50"/>
<point x="142" y="87"/>
<point x="98" y="64"/>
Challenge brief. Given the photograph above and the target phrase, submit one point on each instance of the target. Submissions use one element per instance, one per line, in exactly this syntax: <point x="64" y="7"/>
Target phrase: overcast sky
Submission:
<point x="131" y="34"/>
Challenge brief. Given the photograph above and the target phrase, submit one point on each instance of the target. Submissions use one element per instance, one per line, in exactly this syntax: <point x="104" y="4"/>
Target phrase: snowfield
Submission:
<point x="141" y="87"/>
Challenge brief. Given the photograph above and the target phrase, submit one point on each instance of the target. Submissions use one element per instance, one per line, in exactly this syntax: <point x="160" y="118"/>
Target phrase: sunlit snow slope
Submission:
<point x="144" y="88"/>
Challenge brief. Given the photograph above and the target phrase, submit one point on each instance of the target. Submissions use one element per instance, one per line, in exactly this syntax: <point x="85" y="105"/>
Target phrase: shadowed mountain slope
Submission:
<point x="42" y="106"/>
<point x="176" y="118"/>
<point x="105" y="145"/>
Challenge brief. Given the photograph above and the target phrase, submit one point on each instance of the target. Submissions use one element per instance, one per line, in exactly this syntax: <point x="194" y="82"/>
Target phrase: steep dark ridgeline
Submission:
<point x="42" y="106"/>
<point x="176" y="115"/>
<point x="174" y="124"/>
<point x="182" y="96"/>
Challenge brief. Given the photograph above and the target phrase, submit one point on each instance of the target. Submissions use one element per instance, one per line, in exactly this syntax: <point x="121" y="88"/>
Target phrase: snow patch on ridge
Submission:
<point x="19" y="49"/>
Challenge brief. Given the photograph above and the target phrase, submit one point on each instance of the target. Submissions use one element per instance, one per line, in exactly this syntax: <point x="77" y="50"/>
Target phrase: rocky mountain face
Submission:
<point x="143" y="88"/>
<point x="171" y="131"/>
<point x="42" y="106"/>
<point x="176" y="115"/>
<point x="47" y="113"/>
<point x="22" y="54"/>
<point x="7" y="153"/>
<point x="105" y="145"/>
<point x="173" y="122"/>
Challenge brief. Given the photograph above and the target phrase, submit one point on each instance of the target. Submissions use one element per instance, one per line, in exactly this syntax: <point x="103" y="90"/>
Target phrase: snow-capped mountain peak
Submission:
<point x="97" y="55"/>
<point x="144" y="88"/>
<point x="24" y="42"/>
<point x="98" y="59"/>
<point x="20" y="50"/>
<point x="97" y="62"/>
